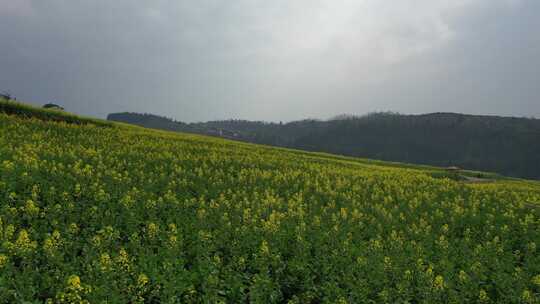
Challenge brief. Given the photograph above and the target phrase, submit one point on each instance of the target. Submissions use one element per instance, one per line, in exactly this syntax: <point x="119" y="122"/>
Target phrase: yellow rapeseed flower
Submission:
<point x="31" y="208"/>
<point x="105" y="262"/>
<point x="142" y="279"/>
<point x="152" y="230"/>
<point x="483" y="296"/>
<point x="536" y="280"/>
<point x="264" y="248"/>
<point x="3" y="260"/>
<point x="438" y="283"/>
<point x="526" y="296"/>
<point x="462" y="276"/>
<point x="23" y="243"/>
<point x="74" y="282"/>
<point x="73" y="228"/>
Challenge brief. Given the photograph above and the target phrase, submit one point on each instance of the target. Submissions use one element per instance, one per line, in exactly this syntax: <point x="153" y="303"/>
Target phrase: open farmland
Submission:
<point x="108" y="213"/>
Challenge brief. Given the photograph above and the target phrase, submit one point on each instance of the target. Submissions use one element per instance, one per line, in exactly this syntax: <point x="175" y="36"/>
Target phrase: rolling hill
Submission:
<point x="506" y="145"/>
<point x="94" y="211"/>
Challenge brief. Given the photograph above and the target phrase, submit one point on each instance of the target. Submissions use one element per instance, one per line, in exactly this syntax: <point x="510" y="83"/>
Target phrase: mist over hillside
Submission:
<point x="505" y="145"/>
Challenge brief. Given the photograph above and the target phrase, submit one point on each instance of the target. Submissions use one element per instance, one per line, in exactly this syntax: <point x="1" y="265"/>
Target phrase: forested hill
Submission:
<point x="506" y="145"/>
<point x="148" y="121"/>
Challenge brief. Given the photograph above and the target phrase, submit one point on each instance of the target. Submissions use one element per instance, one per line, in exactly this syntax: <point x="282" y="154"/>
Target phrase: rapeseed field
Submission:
<point x="107" y="213"/>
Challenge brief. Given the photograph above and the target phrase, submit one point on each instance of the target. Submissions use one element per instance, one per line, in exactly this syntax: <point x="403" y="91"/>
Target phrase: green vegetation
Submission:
<point x="506" y="145"/>
<point x="130" y="215"/>
<point x="47" y="114"/>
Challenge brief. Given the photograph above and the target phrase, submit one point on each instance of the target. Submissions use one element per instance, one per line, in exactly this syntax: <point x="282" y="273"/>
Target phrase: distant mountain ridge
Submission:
<point x="506" y="145"/>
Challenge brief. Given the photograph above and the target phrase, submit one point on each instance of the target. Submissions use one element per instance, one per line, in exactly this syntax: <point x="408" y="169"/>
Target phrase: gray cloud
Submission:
<point x="273" y="60"/>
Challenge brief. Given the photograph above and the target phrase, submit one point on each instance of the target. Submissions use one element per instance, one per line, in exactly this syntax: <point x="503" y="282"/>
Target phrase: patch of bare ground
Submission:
<point x="476" y="180"/>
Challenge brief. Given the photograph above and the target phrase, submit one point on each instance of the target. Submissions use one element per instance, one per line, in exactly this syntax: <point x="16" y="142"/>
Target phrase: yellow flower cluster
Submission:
<point x="3" y="260"/>
<point x="438" y="283"/>
<point x="152" y="230"/>
<point x="74" y="292"/>
<point x="105" y="262"/>
<point x="52" y="243"/>
<point x="23" y="244"/>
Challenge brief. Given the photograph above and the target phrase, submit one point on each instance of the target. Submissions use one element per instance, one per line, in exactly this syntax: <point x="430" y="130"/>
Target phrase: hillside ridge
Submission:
<point x="506" y="145"/>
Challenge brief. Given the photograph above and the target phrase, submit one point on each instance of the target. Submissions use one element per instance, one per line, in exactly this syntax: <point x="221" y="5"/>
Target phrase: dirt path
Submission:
<point x="476" y="180"/>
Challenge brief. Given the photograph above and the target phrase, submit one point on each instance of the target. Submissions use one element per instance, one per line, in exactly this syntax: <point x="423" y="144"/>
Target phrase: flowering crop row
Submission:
<point x="94" y="214"/>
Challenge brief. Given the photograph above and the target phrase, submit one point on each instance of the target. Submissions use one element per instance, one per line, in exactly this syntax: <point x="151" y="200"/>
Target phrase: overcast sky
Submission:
<point x="273" y="60"/>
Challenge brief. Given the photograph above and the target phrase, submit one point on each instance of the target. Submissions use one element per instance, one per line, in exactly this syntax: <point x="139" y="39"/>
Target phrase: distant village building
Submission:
<point x="223" y="133"/>
<point x="453" y="169"/>
<point x="52" y="106"/>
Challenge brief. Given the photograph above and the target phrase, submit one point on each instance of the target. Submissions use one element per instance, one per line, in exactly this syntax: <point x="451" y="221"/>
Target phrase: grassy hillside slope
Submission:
<point x="507" y="145"/>
<point x="122" y="214"/>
